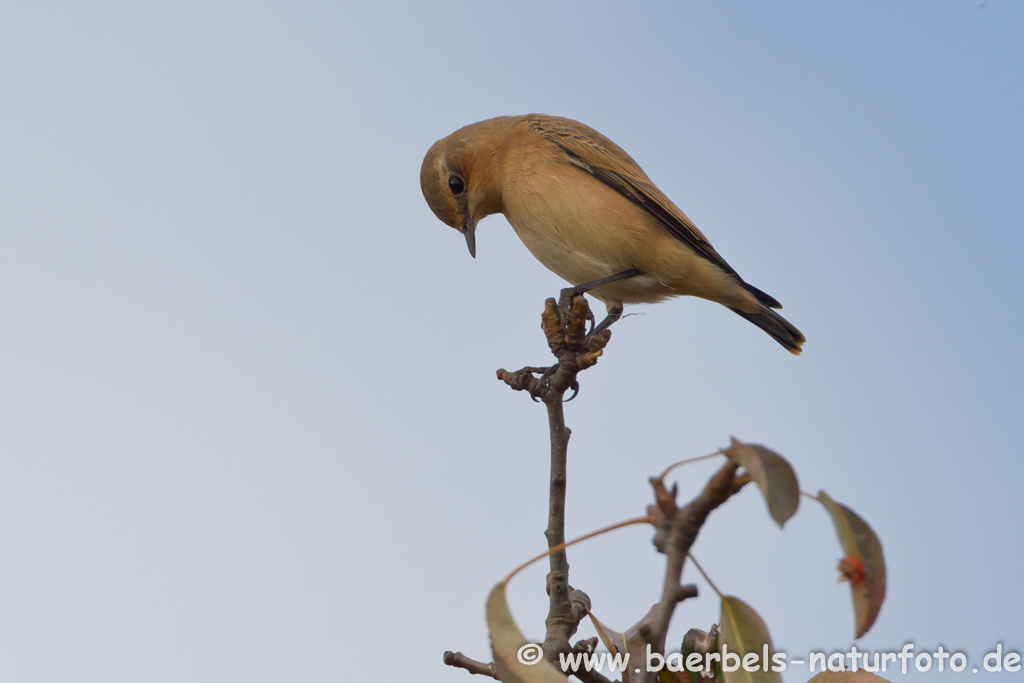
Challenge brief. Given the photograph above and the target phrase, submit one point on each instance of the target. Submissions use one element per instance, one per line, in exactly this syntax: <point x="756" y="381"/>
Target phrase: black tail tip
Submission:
<point x="777" y="327"/>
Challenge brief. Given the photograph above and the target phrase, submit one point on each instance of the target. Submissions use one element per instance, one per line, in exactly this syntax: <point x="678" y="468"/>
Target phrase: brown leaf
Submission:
<point x="743" y="633"/>
<point x="864" y="564"/>
<point x="506" y="643"/>
<point x="630" y="641"/>
<point x="773" y="475"/>
<point x="852" y="570"/>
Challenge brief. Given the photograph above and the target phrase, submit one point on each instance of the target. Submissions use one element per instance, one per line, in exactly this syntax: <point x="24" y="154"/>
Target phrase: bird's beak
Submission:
<point x="469" y="230"/>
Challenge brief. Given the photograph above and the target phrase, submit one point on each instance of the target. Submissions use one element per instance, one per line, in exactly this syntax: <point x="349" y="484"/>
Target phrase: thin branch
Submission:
<point x="810" y="495"/>
<point x="592" y="676"/>
<point x="578" y="600"/>
<point x="705" y="575"/>
<point x="560" y="623"/>
<point x="741" y="481"/>
<point x="587" y="647"/>
<point x="461" y="661"/>
<point x="678" y="529"/>
<point x="565" y="330"/>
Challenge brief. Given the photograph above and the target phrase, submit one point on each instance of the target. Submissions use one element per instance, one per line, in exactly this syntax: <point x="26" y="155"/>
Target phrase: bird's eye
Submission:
<point x="456" y="185"/>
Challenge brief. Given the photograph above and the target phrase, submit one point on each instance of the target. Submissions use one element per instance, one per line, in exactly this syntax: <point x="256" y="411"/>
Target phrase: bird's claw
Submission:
<point x="575" y="386"/>
<point x="565" y="304"/>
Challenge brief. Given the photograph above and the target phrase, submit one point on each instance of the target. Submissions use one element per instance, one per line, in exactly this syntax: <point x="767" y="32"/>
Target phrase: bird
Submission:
<point x="587" y="211"/>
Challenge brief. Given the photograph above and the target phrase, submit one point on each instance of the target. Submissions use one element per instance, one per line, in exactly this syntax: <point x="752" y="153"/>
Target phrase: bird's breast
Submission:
<point x="583" y="235"/>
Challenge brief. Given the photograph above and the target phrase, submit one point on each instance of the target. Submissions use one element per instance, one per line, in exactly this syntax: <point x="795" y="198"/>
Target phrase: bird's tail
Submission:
<point x="780" y="329"/>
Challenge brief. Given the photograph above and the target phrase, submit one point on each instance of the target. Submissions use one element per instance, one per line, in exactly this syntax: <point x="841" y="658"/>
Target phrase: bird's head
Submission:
<point x="459" y="178"/>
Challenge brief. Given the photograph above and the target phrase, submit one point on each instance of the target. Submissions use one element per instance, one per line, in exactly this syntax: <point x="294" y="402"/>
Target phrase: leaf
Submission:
<point x="743" y="633"/>
<point x="864" y="564"/>
<point x="630" y="642"/>
<point x="697" y="641"/>
<point x="506" y="643"/>
<point x="611" y="639"/>
<point x="773" y="475"/>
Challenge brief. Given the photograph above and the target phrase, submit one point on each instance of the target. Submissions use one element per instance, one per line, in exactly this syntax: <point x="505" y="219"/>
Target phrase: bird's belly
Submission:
<point x="558" y="247"/>
<point x="557" y="255"/>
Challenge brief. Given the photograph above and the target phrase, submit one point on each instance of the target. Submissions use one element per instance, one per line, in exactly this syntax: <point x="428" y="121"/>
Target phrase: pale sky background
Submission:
<point x="249" y="425"/>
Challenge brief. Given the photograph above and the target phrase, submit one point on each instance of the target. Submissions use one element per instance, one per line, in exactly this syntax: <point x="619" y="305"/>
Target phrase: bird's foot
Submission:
<point x="614" y="313"/>
<point x="565" y="326"/>
<point x="569" y="328"/>
<point x="568" y="294"/>
<point x="535" y="381"/>
<point x="565" y="307"/>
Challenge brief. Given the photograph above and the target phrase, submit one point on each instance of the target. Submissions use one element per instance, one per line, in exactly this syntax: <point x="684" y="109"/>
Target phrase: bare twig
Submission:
<point x="560" y="624"/>
<point x="587" y="647"/>
<point x="580" y="603"/>
<point x="575" y="352"/>
<point x="677" y="527"/>
<point x="461" y="661"/>
<point x="677" y="531"/>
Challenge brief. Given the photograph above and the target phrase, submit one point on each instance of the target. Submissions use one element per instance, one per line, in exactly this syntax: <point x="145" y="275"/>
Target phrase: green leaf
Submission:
<point x="697" y="641"/>
<point x="506" y="641"/>
<point x="864" y="564"/>
<point x="773" y="475"/>
<point x="743" y="633"/>
<point x="702" y="643"/>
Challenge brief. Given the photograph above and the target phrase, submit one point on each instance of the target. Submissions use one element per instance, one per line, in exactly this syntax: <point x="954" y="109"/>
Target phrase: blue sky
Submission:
<point x="249" y="426"/>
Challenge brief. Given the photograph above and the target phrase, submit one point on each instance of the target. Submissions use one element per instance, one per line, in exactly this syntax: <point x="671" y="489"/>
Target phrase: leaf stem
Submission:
<point x="688" y="461"/>
<point x="705" y="575"/>
<point x="563" y="546"/>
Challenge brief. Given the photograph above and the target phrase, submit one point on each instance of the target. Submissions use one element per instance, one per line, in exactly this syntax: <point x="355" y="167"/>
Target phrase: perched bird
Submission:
<point x="588" y="212"/>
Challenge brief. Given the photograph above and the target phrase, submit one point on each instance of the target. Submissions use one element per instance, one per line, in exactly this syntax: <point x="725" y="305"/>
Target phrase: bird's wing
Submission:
<point x="609" y="163"/>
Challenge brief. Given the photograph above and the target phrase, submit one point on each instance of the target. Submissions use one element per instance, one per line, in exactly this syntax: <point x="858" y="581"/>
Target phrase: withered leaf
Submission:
<point x="864" y="564"/>
<point x="773" y="475"/>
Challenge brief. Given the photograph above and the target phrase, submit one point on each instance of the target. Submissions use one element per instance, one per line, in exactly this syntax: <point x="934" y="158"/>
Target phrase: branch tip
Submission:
<point x="461" y="661"/>
<point x="685" y="592"/>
